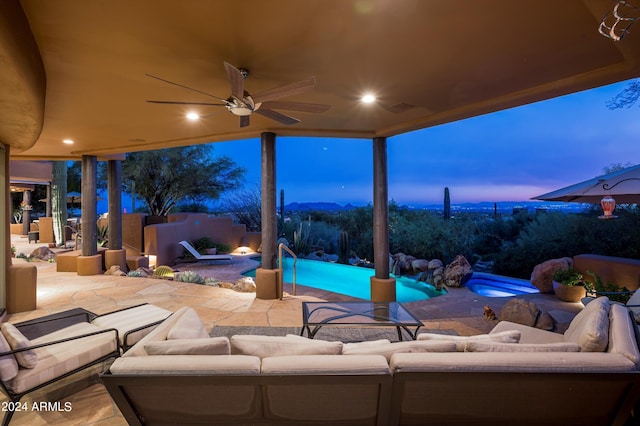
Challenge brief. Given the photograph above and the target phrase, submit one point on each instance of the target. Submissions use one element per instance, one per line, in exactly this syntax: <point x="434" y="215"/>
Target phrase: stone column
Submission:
<point x="267" y="277"/>
<point x="26" y="214"/>
<point x="116" y="255"/>
<point x="90" y="262"/>
<point x="383" y="288"/>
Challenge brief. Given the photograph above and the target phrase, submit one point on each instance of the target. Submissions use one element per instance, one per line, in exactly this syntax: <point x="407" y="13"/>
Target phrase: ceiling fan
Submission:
<point x="265" y="103"/>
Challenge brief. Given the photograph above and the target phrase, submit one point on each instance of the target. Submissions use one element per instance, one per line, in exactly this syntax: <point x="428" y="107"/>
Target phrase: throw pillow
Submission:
<point x="590" y="328"/>
<point x="26" y="359"/>
<point x="266" y="346"/>
<point x="8" y="363"/>
<point x="210" y="346"/>
<point x="508" y="336"/>
<point x="487" y="346"/>
<point x="188" y="326"/>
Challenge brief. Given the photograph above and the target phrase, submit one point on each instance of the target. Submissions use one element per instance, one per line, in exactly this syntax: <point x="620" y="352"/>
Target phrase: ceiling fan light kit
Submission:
<point x="243" y="104"/>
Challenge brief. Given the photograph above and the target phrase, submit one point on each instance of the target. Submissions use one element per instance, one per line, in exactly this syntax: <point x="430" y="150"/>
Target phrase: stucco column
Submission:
<point x="5" y="228"/>
<point x="90" y="262"/>
<point x="267" y="276"/>
<point x="116" y="255"/>
<point x="383" y="288"/>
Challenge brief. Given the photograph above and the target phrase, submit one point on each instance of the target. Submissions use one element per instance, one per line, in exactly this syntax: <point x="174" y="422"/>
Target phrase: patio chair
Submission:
<point x="199" y="256"/>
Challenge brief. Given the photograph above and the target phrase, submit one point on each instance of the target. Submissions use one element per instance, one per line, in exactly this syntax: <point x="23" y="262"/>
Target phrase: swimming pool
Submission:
<point x="351" y="280"/>
<point x="498" y="286"/>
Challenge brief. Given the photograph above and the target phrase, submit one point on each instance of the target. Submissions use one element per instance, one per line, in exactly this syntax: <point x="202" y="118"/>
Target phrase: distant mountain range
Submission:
<point x="503" y="206"/>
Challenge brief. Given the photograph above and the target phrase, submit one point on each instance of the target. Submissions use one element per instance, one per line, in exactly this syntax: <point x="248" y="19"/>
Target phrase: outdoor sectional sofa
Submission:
<point x="589" y="375"/>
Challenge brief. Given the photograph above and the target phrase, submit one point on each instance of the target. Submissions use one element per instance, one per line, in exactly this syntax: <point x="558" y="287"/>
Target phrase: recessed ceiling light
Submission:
<point x="67" y="142"/>
<point x="368" y="98"/>
<point x="193" y="116"/>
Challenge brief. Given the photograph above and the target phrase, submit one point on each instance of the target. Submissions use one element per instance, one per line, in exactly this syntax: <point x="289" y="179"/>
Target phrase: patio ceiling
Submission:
<point x="427" y="61"/>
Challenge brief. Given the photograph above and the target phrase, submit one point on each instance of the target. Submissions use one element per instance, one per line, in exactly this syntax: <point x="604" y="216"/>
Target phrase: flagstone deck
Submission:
<point x="459" y="310"/>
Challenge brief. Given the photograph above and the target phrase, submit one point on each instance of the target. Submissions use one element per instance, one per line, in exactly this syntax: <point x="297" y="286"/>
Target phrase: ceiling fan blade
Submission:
<point x="284" y="91"/>
<point x="236" y="80"/>
<point x="187" y="87"/>
<point x="244" y="120"/>
<point x="295" y="106"/>
<point x="184" y="103"/>
<point x="277" y="116"/>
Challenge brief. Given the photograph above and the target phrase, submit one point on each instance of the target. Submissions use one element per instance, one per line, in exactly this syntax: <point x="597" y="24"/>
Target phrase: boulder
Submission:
<point x="420" y="265"/>
<point x="545" y="322"/>
<point x="542" y="275"/>
<point x="435" y="264"/>
<point x="244" y="285"/>
<point x="520" y="311"/>
<point x="115" y="270"/>
<point x="42" y="253"/>
<point x="402" y="263"/>
<point x="225" y="284"/>
<point x="458" y="272"/>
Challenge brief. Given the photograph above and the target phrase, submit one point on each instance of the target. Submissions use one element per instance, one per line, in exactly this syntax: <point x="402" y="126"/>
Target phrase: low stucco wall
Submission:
<point x="623" y="272"/>
<point x="161" y="240"/>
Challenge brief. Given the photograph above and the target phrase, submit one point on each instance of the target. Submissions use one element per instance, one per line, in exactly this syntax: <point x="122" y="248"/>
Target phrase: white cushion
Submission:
<point x="188" y="326"/>
<point x="622" y="337"/>
<point x="17" y="340"/>
<point x="266" y="346"/>
<point x="187" y="364"/>
<point x="590" y="328"/>
<point x="130" y="319"/>
<point x="634" y="305"/>
<point x="388" y="349"/>
<point x="210" y="346"/>
<point x="508" y="336"/>
<point x="486" y="346"/>
<point x="528" y="334"/>
<point x="325" y="364"/>
<point x="356" y="345"/>
<point x="8" y="363"/>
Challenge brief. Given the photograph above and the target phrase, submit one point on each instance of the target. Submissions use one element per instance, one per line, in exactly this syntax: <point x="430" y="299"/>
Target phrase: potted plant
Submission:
<point x="569" y="285"/>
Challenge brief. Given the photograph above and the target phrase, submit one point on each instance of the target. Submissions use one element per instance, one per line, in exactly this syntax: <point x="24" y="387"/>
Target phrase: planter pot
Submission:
<point x="569" y="293"/>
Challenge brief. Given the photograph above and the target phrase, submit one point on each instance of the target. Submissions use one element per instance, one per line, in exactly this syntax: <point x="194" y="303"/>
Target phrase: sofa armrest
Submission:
<point x="529" y="334"/>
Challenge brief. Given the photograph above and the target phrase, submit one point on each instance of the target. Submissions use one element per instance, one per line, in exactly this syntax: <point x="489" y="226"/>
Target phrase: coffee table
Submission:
<point x="345" y="314"/>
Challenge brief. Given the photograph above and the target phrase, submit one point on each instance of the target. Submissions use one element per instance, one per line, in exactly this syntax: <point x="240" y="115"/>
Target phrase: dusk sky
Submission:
<point x="511" y="155"/>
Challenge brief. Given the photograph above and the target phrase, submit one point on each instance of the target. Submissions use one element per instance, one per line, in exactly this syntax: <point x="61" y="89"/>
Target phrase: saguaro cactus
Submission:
<point x="447" y="204"/>
<point x="343" y="248"/>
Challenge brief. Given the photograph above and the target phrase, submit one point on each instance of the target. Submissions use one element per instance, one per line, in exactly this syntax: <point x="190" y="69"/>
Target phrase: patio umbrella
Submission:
<point x="623" y="185"/>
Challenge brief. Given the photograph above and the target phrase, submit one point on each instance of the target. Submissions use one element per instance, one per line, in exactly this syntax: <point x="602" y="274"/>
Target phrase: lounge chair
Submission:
<point x="199" y="256"/>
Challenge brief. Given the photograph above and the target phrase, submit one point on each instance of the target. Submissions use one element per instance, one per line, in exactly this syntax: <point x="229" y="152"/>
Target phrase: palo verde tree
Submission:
<point x="627" y="98"/>
<point x="165" y="177"/>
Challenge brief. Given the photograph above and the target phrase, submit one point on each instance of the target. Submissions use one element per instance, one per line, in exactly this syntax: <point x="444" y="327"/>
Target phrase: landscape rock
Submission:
<point x="42" y="253"/>
<point x="458" y="272"/>
<point x="435" y="264"/>
<point x="545" y="322"/>
<point x="520" y="311"/>
<point x="225" y="284"/>
<point x="542" y="275"/>
<point x="145" y="272"/>
<point x="244" y="285"/>
<point x="115" y="270"/>
<point x="420" y="265"/>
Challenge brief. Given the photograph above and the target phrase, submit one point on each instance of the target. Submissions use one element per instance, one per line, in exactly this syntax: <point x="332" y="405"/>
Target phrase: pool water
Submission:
<point x="499" y="286"/>
<point x="350" y="280"/>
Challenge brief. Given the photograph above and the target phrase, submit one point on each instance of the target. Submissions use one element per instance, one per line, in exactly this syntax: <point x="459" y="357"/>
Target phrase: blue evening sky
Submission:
<point x="510" y="155"/>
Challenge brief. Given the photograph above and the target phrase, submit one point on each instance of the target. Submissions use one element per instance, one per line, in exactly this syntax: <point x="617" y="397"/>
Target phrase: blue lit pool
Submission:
<point x="351" y="280"/>
<point x="498" y="286"/>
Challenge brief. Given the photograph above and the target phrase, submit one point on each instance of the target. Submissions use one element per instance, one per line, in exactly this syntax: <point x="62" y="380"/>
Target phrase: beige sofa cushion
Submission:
<point x="508" y="336"/>
<point x="17" y="340"/>
<point x="325" y="364"/>
<point x="622" y="338"/>
<point x="188" y="326"/>
<point x="187" y="364"/>
<point x="388" y="349"/>
<point x="130" y="319"/>
<point x="487" y="346"/>
<point x="157" y="334"/>
<point x="8" y="363"/>
<point x="356" y="345"/>
<point x="528" y="334"/>
<point x="210" y="346"/>
<point x="551" y="362"/>
<point x="590" y="328"/>
<point x="267" y="346"/>
<point x="60" y="358"/>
